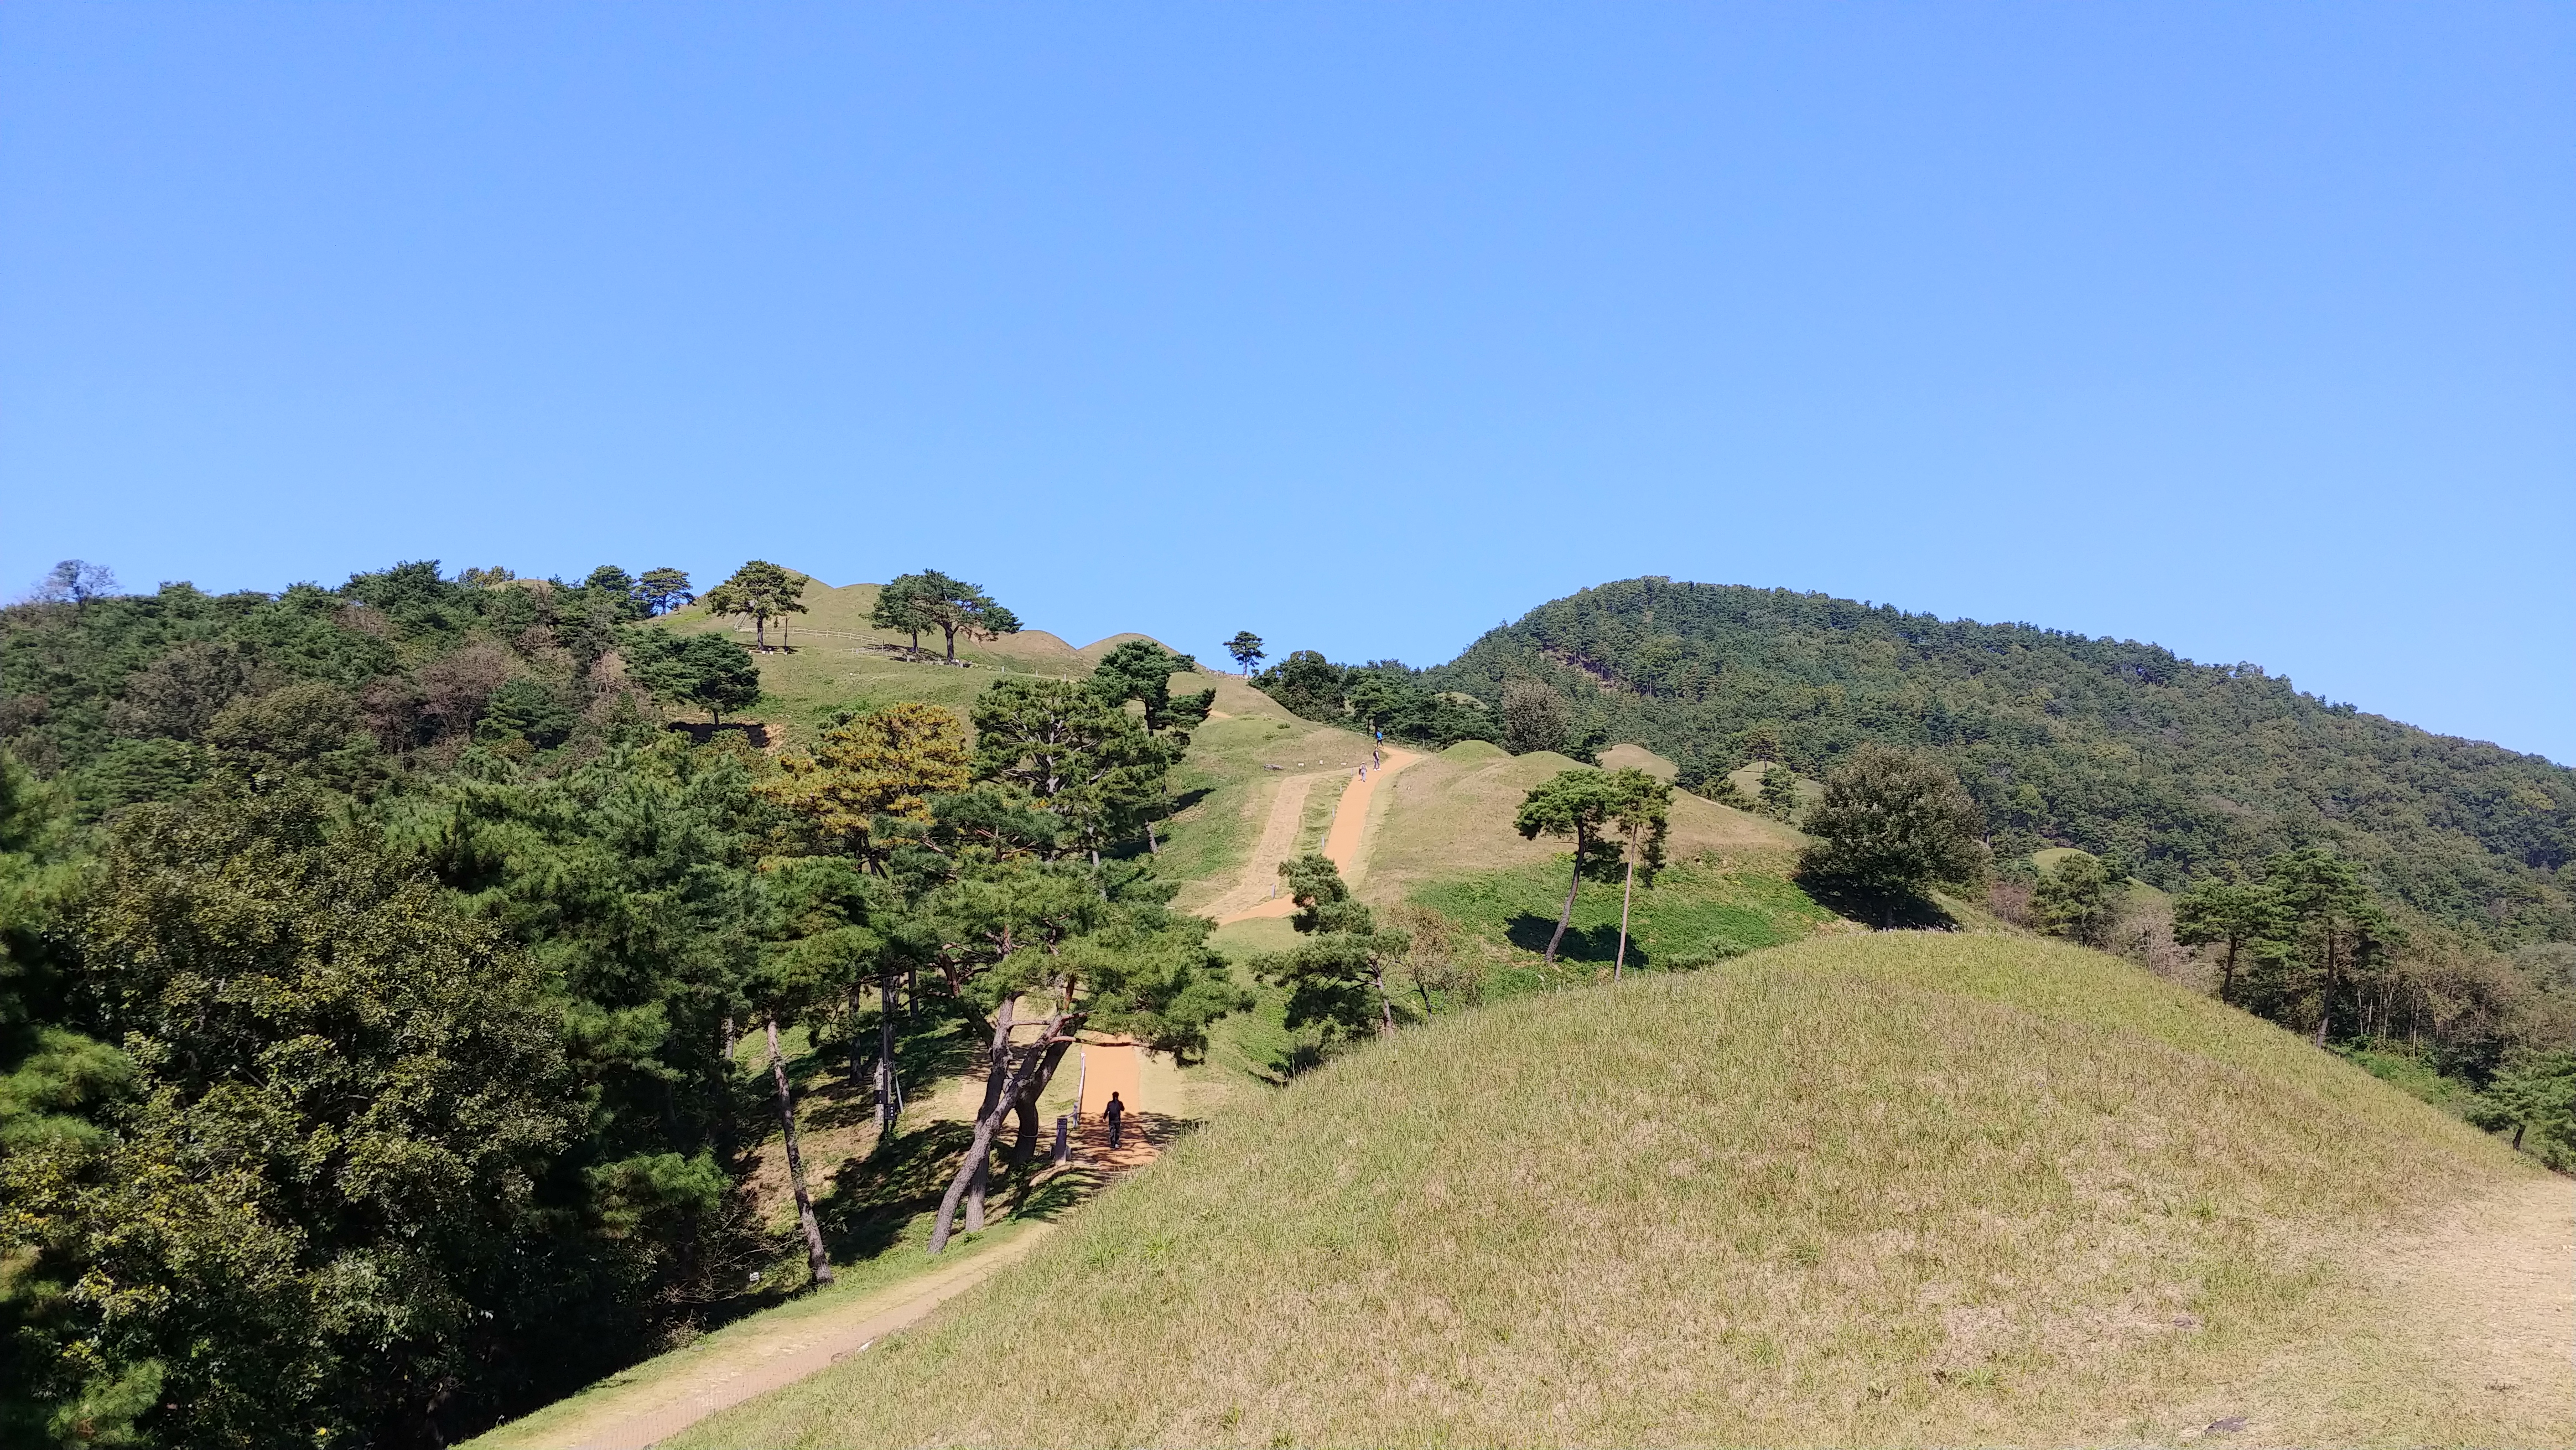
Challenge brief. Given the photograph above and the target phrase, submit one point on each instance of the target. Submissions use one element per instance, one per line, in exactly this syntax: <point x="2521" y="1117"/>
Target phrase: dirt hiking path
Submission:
<point x="2497" y="1286"/>
<point x="2464" y="1328"/>
<point x="1251" y="897"/>
<point x="632" y="1417"/>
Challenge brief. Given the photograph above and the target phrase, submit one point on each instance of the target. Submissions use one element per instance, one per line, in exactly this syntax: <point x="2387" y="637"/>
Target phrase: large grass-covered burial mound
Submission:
<point x="1886" y="1189"/>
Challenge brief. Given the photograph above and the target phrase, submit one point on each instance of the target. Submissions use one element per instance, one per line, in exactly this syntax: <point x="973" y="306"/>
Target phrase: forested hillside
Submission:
<point x="2172" y="768"/>
<point x="392" y="988"/>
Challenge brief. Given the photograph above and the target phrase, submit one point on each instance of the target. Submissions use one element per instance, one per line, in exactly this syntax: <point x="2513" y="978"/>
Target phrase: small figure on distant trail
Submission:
<point x="1374" y="760"/>
<point x="1117" y="1115"/>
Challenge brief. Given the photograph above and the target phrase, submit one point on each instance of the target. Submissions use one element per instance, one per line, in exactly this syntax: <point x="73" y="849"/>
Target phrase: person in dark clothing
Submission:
<point x="1117" y="1115"/>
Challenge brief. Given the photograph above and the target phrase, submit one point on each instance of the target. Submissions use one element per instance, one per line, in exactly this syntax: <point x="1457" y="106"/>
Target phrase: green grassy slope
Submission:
<point x="1887" y="1189"/>
<point x="1451" y="816"/>
<point x="1694" y="913"/>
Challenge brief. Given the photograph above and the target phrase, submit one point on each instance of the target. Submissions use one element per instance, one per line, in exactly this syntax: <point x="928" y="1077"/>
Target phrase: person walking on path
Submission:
<point x="1117" y="1115"/>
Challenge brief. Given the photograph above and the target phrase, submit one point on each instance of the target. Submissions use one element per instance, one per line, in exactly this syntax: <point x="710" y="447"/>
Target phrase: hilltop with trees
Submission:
<point x="2174" y="769"/>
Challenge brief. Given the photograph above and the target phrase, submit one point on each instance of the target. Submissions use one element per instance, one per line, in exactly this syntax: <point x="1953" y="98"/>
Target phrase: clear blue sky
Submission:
<point x="2247" y="329"/>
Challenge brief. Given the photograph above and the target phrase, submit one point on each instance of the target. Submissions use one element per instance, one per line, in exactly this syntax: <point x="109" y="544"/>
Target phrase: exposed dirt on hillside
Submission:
<point x="1345" y="845"/>
<point x="1278" y="840"/>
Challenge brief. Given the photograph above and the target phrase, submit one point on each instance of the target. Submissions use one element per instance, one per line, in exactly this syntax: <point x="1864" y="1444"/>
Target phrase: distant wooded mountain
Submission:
<point x="2117" y="747"/>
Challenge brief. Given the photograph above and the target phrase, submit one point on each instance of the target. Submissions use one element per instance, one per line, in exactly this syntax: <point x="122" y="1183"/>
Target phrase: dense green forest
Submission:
<point x="378" y="967"/>
<point x="2172" y="768"/>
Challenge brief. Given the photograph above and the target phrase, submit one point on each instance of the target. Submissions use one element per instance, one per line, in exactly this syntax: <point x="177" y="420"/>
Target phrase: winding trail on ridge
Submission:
<point x="1251" y="897"/>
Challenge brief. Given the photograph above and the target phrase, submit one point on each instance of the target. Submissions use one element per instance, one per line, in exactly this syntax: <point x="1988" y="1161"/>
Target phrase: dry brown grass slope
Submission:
<point x="1890" y="1189"/>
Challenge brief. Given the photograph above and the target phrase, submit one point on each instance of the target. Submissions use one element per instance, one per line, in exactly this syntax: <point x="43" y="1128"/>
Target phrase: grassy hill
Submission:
<point x="832" y="659"/>
<point x="1883" y="1189"/>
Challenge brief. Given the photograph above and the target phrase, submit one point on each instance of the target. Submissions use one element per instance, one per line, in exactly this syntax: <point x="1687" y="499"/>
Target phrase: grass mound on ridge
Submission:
<point x="1695" y="911"/>
<point x="1893" y="1188"/>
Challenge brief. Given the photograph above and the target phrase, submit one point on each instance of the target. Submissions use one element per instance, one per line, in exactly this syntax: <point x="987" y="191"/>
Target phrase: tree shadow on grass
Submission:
<point x="1885" y="910"/>
<point x="874" y="1197"/>
<point x="1049" y="1196"/>
<point x="752" y="732"/>
<point x="1530" y="932"/>
<point x="930" y="1051"/>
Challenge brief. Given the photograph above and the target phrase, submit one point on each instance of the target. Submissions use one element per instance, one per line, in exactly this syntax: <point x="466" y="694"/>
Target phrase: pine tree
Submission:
<point x="1336" y="978"/>
<point x="763" y="591"/>
<point x="664" y="590"/>
<point x="2246" y="916"/>
<point x="1579" y="805"/>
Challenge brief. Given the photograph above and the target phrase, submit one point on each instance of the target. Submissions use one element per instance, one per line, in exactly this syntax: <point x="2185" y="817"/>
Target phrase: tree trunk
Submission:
<point x="2227" y="974"/>
<point x="859" y="1068"/>
<point x="2325" y="994"/>
<point x="889" y="1081"/>
<point x="2517" y="1136"/>
<point x="1024" y="1076"/>
<point x="1572" y="883"/>
<point x="971" y="1171"/>
<point x="760" y="632"/>
<point x="815" y="1259"/>
<point x="1032" y="1086"/>
<point x="1620" y="963"/>
<point x="1151" y="844"/>
<point x="1024" y="1145"/>
<point x="952" y="642"/>
<point x="1385" y="1008"/>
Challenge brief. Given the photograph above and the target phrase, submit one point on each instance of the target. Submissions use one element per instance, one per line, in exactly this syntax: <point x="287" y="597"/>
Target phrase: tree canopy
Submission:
<point x="933" y="600"/>
<point x="1383" y="696"/>
<point x="1141" y="671"/>
<point x="703" y="669"/>
<point x="1336" y="977"/>
<point x="760" y="591"/>
<point x="1076" y="754"/>
<point x="1582" y="806"/>
<point x="1895" y="822"/>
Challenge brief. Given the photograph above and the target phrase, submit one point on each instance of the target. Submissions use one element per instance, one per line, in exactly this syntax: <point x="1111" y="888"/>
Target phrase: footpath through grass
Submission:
<point x="741" y="1346"/>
